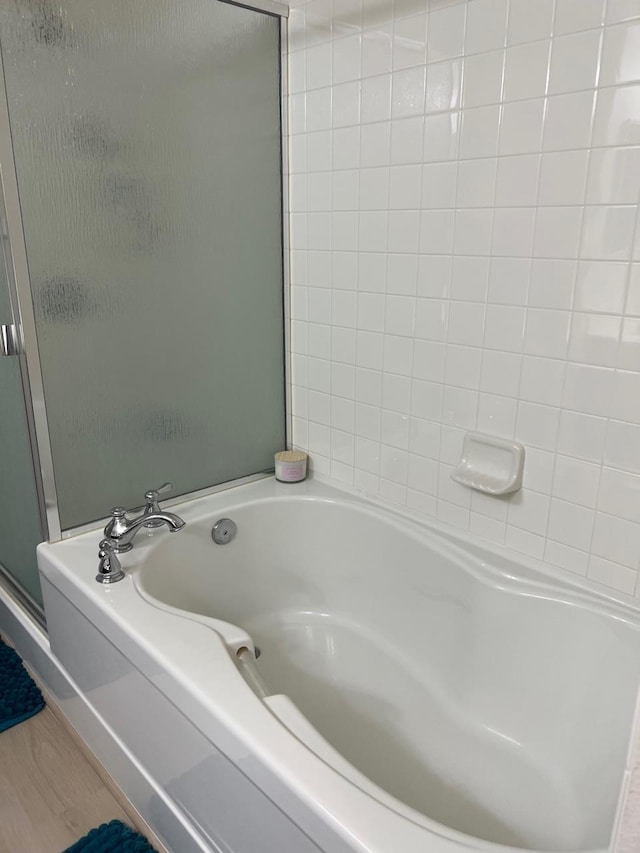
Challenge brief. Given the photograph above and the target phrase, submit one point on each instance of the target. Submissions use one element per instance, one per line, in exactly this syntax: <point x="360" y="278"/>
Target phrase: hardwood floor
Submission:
<point x="50" y="795"/>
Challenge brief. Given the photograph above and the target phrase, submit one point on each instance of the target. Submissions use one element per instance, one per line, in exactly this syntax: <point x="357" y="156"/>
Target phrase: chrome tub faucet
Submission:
<point x="121" y="530"/>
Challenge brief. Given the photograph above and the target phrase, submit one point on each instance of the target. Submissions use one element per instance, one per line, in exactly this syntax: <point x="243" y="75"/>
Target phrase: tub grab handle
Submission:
<point x="247" y="665"/>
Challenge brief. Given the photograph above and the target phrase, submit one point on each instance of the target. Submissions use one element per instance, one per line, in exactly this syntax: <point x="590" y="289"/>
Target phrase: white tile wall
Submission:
<point x="466" y="255"/>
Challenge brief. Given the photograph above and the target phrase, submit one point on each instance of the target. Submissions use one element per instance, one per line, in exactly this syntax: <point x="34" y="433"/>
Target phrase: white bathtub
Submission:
<point x="419" y="694"/>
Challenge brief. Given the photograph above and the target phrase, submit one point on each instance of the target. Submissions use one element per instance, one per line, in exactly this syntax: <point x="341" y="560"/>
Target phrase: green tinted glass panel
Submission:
<point x="147" y="144"/>
<point x="20" y="529"/>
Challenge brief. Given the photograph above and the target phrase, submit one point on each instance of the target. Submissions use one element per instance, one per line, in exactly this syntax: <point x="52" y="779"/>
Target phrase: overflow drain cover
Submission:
<point x="223" y="531"/>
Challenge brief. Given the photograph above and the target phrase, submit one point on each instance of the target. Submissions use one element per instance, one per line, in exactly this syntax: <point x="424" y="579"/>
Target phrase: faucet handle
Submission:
<point x="154" y="494"/>
<point x="152" y="497"/>
<point x="109" y="568"/>
<point x="117" y="523"/>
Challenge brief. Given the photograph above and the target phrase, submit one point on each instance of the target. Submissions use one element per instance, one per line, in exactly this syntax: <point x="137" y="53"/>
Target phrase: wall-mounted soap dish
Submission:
<point x="489" y="464"/>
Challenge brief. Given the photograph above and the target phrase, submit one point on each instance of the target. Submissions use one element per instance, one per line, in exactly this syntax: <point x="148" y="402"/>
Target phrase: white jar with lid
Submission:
<point x="291" y="466"/>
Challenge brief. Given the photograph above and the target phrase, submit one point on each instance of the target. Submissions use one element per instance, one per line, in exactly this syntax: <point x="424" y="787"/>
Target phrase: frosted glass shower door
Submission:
<point x="148" y="152"/>
<point x="20" y="522"/>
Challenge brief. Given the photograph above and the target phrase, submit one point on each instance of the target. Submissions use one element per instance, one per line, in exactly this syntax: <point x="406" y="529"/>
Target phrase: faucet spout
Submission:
<point x="121" y="531"/>
<point x="173" y="521"/>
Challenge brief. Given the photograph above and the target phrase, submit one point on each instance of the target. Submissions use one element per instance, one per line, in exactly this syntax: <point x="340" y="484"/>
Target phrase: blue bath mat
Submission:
<point x="112" y="837"/>
<point x="19" y="696"/>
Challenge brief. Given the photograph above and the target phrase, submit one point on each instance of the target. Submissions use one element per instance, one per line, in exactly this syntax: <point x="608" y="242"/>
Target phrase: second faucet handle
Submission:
<point x="152" y="497"/>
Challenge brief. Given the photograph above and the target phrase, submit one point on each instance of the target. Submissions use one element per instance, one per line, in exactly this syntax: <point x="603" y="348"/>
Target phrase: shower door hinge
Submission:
<point x="10" y="342"/>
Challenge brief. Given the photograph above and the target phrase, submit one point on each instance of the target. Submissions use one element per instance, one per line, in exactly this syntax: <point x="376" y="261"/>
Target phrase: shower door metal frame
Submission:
<point x="286" y="223"/>
<point x="23" y="317"/>
<point x="280" y="10"/>
<point x="23" y="310"/>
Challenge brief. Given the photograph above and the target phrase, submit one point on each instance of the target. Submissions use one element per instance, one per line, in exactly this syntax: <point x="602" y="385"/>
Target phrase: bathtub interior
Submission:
<point x="495" y="706"/>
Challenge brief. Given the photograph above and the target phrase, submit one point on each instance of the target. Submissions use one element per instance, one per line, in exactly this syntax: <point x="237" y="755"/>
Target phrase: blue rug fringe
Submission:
<point x="20" y="697"/>
<point x="112" y="837"/>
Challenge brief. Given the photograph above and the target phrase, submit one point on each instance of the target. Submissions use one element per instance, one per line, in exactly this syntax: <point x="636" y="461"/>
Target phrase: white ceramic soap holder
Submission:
<point x="489" y="464"/>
